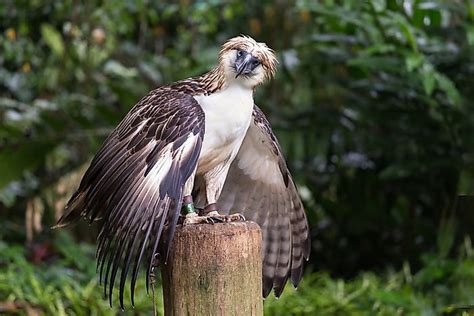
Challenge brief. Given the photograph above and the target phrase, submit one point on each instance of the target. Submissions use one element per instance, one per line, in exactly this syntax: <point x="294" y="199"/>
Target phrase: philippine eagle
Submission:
<point x="197" y="142"/>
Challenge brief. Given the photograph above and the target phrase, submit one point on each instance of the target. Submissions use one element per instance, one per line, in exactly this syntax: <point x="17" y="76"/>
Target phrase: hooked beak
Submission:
<point x="245" y="64"/>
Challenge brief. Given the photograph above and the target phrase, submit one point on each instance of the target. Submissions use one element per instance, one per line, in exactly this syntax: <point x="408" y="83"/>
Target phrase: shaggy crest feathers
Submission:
<point x="215" y="79"/>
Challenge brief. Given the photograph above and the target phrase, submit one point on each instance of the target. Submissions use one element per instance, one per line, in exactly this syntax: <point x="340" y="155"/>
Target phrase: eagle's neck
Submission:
<point x="213" y="81"/>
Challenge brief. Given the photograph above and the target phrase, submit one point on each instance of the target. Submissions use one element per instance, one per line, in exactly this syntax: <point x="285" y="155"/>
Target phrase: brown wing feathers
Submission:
<point x="135" y="182"/>
<point x="260" y="186"/>
<point x="300" y="236"/>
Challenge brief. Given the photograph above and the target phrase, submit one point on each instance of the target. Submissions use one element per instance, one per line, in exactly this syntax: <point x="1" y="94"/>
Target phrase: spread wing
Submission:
<point x="135" y="182"/>
<point x="260" y="186"/>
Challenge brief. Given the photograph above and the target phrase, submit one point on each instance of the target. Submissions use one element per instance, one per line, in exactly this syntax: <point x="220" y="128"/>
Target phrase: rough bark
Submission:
<point x="214" y="270"/>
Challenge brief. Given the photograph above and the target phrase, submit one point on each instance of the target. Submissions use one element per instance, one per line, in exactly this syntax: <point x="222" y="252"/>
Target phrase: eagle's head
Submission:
<point x="246" y="61"/>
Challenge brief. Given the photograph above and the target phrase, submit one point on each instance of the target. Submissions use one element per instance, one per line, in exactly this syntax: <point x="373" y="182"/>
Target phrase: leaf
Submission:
<point x="413" y="61"/>
<point x="407" y="31"/>
<point x="53" y="39"/>
<point x="447" y="86"/>
<point x="380" y="48"/>
<point x="428" y="78"/>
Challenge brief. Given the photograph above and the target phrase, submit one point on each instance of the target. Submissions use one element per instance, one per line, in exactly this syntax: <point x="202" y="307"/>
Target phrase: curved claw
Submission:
<point x="216" y="219"/>
<point x="237" y="217"/>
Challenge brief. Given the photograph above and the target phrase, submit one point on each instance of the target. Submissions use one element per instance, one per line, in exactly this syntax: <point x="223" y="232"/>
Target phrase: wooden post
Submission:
<point x="214" y="270"/>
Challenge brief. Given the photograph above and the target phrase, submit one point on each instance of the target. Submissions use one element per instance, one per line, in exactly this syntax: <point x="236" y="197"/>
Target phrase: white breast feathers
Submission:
<point x="227" y="114"/>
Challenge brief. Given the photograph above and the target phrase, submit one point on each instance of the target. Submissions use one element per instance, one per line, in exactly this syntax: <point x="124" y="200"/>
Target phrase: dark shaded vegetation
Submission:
<point x="372" y="103"/>
<point x="66" y="284"/>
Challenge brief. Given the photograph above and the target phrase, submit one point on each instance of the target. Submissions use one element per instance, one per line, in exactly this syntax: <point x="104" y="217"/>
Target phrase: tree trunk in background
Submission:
<point x="214" y="270"/>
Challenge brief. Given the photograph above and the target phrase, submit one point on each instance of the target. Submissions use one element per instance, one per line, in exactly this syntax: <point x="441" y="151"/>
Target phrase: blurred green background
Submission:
<point x="372" y="103"/>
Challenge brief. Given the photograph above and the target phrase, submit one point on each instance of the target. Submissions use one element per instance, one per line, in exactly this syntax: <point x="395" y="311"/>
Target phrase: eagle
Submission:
<point x="194" y="151"/>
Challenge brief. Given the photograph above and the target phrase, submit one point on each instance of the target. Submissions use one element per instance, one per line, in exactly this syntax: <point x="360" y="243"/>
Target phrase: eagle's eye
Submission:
<point x="255" y="63"/>
<point x="240" y="53"/>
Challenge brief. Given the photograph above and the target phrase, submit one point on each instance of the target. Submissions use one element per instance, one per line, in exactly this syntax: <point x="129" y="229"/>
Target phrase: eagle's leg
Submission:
<point x="214" y="185"/>
<point x="214" y="182"/>
<point x="189" y="215"/>
<point x="188" y="205"/>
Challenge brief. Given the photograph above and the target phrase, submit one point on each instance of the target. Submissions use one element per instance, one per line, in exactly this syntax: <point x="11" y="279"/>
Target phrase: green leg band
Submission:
<point x="189" y="208"/>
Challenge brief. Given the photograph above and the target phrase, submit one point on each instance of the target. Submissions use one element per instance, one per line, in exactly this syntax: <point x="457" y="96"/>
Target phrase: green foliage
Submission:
<point x="441" y="287"/>
<point x="66" y="285"/>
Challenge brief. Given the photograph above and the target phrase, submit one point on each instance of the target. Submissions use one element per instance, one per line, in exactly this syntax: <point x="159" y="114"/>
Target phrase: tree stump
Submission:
<point x="214" y="270"/>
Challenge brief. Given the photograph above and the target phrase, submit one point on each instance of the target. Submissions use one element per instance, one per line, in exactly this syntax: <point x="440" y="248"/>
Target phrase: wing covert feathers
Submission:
<point x="260" y="186"/>
<point x="134" y="184"/>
